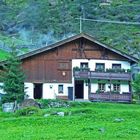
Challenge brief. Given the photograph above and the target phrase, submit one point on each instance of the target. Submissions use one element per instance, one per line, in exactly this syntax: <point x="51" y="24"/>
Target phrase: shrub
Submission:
<point x="51" y="103"/>
<point x="80" y="104"/>
<point x="99" y="70"/>
<point x="136" y="86"/>
<point x="27" y="111"/>
<point x="76" y="69"/>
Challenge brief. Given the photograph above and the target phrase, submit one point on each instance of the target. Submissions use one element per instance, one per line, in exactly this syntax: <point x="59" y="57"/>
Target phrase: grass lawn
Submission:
<point x="88" y="121"/>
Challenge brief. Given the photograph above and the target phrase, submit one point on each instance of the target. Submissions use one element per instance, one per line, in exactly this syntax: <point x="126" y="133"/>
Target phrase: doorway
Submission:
<point x="79" y="89"/>
<point x="38" y="90"/>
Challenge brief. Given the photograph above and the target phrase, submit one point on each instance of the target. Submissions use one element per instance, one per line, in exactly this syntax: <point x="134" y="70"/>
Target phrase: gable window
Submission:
<point x="100" y="66"/>
<point x="63" y="65"/>
<point x="116" y="87"/>
<point x="60" y="89"/>
<point x="116" y="66"/>
<point x="101" y="87"/>
<point x="84" y="65"/>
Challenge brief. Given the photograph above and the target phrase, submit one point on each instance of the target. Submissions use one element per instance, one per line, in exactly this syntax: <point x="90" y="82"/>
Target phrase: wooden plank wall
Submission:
<point x="55" y="65"/>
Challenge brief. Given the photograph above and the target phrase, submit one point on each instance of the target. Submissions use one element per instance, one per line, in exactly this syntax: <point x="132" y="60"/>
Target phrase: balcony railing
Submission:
<point x="126" y="97"/>
<point x="102" y="75"/>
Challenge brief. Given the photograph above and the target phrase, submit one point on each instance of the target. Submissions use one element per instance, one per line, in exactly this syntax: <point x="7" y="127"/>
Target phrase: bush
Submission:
<point x="76" y="69"/>
<point x="28" y="111"/>
<point x="51" y="103"/>
<point x="80" y="104"/>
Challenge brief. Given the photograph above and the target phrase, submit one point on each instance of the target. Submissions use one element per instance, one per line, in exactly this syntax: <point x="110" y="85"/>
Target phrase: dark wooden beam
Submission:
<point x="74" y="49"/>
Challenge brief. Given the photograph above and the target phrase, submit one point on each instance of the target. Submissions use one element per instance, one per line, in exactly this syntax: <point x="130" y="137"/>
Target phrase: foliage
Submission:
<point x="53" y="103"/>
<point x="27" y="111"/>
<point x="117" y="70"/>
<point x="86" y="121"/>
<point x="100" y="70"/>
<point x="56" y="20"/>
<point x="76" y="68"/>
<point x="13" y="78"/>
<point x="81" y="69"/>
<point x="136" y="85"/>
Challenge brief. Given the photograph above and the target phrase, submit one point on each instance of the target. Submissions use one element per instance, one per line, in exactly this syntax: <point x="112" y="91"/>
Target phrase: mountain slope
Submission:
<point x="31" y="24"/>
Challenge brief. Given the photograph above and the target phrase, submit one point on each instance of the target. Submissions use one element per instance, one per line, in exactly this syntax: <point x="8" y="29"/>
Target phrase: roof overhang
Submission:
<point x="75" y="37"/>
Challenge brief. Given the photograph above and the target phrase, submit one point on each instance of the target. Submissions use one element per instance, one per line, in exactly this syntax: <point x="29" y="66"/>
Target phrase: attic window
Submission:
<point x="63" y="65"/>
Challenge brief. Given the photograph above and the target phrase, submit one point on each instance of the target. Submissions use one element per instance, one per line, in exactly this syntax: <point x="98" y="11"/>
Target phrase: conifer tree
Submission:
<point x="13" y="78"/>
<point x="136" y="86"/>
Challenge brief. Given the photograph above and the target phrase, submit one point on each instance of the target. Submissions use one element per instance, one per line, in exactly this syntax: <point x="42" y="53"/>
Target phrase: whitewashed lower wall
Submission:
<point x="29" y="90"/>
<point x="50" y="90"/>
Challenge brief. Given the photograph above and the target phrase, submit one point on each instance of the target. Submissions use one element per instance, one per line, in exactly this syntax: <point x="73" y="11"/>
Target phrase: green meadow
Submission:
<point x="82" y="121"/>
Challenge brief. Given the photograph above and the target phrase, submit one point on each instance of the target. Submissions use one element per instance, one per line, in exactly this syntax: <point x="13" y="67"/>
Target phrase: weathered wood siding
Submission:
<point x="55" y="65"/>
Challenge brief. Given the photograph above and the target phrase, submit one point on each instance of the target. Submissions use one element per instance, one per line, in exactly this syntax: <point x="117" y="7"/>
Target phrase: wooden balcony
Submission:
<point x="126" y="97"/>
<point x="102" y="75"/>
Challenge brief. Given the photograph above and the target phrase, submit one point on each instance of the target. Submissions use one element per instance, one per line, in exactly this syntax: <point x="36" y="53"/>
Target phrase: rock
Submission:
<point x="62" y="114"/>
<point x="119" y="120"/>
<point x="46" y="115"/>
<point x="102" y="130"/>
<point x="29" y="103"/>
<point x="57" y="104"/>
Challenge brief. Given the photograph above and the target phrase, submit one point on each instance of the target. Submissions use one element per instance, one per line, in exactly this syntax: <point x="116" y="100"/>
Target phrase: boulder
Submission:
<point x="47" y="115"/>
<point x="118" y="120"/>
<point x="62" y="114"/>
<point x="102" y="130"/>
<point x="29" y="103"/>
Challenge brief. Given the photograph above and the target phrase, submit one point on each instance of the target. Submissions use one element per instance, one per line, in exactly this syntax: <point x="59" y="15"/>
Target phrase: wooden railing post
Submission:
<point x="89" y="84"/>
<point x="130" y="90"/>
<point x="110" y="87"/>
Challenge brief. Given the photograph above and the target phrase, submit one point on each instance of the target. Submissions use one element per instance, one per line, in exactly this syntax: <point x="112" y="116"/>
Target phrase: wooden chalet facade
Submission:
<point x="78" y="68"/>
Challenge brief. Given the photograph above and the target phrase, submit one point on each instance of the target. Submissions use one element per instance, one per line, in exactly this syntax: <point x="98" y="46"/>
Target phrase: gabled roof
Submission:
<point x="82" y="35"/>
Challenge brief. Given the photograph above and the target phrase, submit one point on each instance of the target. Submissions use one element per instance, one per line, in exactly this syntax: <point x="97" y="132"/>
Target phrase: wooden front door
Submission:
<point x="79" y="89"/>
<point x="38" y="90"/>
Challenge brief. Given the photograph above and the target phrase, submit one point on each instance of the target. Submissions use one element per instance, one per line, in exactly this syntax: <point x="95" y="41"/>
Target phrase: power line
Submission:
<point x="110" y="21"/>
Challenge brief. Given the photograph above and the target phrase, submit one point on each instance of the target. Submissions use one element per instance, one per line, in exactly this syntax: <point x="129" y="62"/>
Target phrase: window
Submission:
<point x="63" y="65"/>
<point x="60" y="89"/>
<point x="101" y="87"/>
<point x="84" y="65"/>
<point x="100" y="66"/>
<point x="116" y="87"/>
<point x="116" y="66"/>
